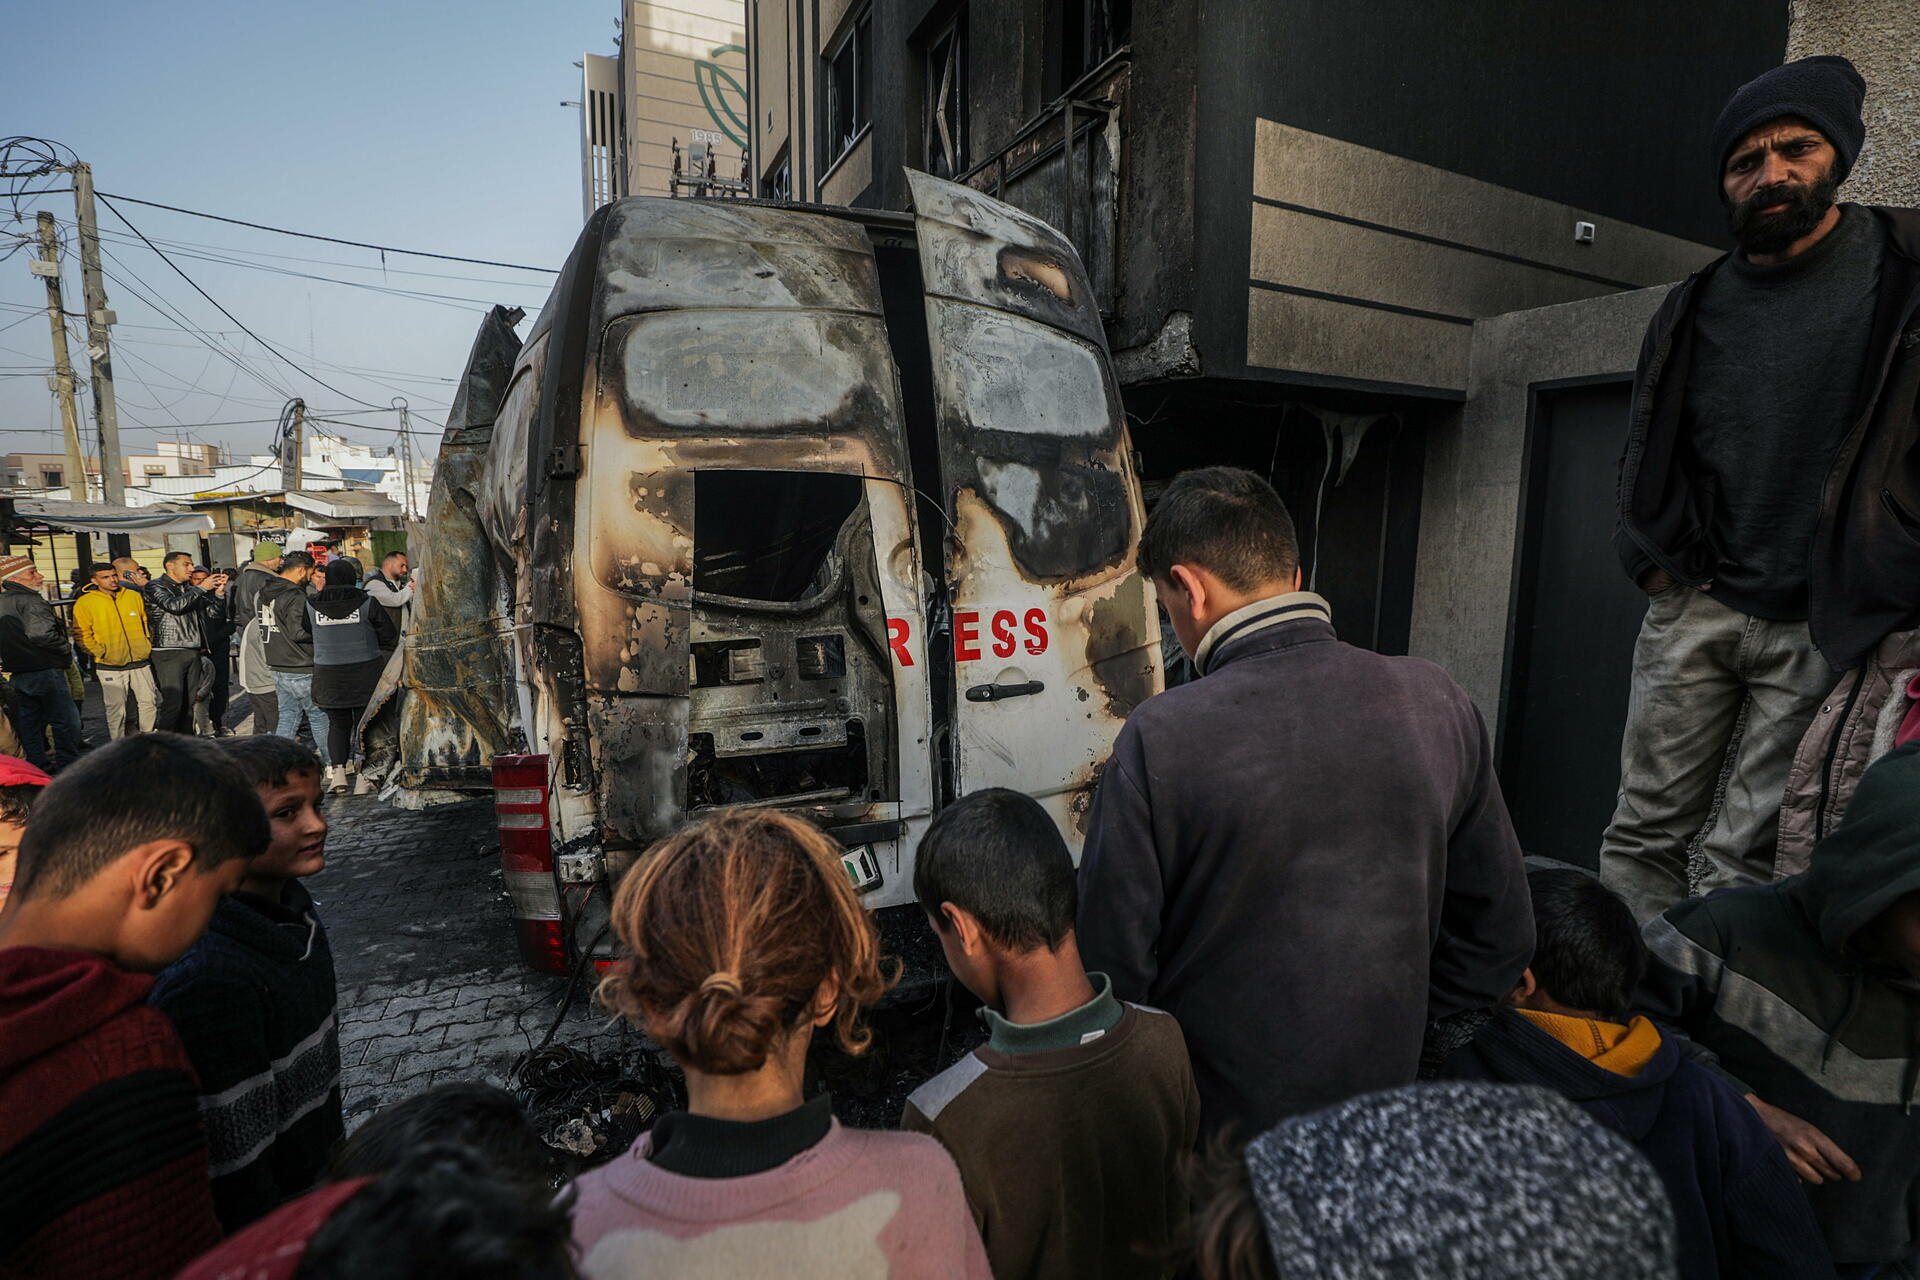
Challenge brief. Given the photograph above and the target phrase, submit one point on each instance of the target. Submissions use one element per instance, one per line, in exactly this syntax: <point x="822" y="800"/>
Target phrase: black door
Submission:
<point x="1575" y="619"/>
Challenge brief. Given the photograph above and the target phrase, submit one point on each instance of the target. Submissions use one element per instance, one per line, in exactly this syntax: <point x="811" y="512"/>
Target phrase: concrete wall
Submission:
<point x="851" y="174"/>
<point x="1882" y="37"/>
<point x="1371" y="267"/>
<point x="1470" y="508"/>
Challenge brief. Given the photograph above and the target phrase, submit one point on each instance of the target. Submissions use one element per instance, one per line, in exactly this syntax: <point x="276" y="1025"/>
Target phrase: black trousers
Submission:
<point x="266" y="711"/>
<point x="340" y="722"/>
<point x="173" y="674"/>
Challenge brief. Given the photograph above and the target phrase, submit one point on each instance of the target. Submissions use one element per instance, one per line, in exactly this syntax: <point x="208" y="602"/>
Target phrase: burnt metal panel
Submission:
<point x="1052" y="625"/>
<point x="440" y="714"/>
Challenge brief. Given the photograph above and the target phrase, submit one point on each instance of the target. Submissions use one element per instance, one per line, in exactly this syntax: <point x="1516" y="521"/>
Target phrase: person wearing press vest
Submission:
<point x="352" y="637"/>
<point x="1769" y="500"/>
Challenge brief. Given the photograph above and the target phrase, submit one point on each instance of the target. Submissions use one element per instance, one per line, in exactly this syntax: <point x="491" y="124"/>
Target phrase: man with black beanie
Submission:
<point x="1769" y="500"/>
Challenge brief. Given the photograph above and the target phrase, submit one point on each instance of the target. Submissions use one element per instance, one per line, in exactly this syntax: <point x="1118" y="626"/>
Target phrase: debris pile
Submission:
<point x="593" y="1108"/>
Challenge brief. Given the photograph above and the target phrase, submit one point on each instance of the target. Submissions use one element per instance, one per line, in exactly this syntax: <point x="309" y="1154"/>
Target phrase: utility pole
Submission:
<point x="106" y="411"/>
<point x="406" y="461"/>
<point x="48" y="268"/>
<point x="291" y="444"/>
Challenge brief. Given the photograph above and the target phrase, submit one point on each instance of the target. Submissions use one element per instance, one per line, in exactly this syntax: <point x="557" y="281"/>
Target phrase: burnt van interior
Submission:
<point x="789" y="660"/>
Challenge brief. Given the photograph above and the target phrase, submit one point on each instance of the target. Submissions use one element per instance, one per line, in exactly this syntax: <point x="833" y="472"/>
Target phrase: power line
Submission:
<point x="382" y="267"/>
<point x="167" y="312"/>
<point x="457" y="301"/>
<point x="273" y="350"/>
<point x="308" y="235"/>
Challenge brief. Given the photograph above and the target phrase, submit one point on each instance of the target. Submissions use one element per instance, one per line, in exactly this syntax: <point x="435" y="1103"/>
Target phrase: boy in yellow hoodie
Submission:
<point x="112" y="622"/>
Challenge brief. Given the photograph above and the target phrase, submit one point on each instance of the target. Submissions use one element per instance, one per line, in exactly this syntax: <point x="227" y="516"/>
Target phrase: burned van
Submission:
<point x="824" y="509"/>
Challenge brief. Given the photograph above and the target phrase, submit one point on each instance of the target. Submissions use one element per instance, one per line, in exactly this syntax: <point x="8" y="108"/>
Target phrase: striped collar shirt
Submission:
<point x="1258" y="616"/>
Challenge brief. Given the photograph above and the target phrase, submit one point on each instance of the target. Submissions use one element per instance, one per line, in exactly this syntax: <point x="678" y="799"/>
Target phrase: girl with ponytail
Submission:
<point x="743" y="939"/>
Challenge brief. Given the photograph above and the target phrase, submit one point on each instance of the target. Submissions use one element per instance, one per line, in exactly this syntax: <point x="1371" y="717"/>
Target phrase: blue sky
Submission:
<point x="424" y="124"/>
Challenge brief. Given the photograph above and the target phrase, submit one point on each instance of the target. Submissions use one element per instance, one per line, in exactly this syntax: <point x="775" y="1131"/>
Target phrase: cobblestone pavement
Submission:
<point x="432" y="987"/>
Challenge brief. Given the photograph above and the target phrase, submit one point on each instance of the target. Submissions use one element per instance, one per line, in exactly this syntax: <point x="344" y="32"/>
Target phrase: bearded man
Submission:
<point x="1769" y="499"/>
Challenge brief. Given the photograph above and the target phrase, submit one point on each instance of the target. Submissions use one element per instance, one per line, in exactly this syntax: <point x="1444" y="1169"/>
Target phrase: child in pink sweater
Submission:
<point x="745" y="936"/>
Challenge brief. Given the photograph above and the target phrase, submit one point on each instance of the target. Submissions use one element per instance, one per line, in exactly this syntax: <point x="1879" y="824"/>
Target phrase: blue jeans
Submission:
<point x="42" y="699"/>
<point x="295" y="691"/>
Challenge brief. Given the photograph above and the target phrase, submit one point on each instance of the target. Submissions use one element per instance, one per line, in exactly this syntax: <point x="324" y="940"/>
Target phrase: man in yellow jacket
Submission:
<point x="112" y="622"/>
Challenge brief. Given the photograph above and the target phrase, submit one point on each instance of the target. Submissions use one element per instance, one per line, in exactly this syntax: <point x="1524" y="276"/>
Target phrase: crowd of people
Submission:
<point x="309" y="642"/>
<point x="1304" y="1007"/>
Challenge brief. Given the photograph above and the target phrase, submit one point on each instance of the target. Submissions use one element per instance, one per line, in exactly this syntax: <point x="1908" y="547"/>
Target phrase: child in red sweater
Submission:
<point x="745" y="938"/>
<point x="101" y="1149"/>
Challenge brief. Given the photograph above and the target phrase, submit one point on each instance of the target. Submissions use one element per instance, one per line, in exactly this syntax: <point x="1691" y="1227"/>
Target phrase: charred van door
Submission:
<point x="745" y="533"/>
<point x="1053" y="630"/>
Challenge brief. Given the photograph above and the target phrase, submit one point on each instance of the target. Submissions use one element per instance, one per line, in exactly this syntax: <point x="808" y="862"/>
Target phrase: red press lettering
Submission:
<point x="1036" y="631"/>
<point x="966" y="635"/>
<point x="1003" y="643"/>
<point x="897" y="633"/>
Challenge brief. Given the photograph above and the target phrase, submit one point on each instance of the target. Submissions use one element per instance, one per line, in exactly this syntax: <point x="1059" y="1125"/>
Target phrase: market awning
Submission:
<point x="99" y="517"/>
<point x="343" y="506"/>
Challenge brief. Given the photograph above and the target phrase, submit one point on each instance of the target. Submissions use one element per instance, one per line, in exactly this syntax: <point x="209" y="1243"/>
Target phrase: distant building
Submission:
<point x="27" y="471"/>
<point x="328" y="463"/>
<point x="679" y="80"/>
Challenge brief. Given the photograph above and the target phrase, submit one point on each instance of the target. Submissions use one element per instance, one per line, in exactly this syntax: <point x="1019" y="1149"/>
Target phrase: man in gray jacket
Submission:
<point x="1303" y="854"/>
<point x="243" y="610"/>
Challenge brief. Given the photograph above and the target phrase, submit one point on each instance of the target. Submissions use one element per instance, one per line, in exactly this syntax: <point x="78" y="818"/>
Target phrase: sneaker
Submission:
<point x="336" y="777"/>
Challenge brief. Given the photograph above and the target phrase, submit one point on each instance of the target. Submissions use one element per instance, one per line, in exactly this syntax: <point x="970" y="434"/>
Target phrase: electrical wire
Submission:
<point x="166" y="312"/>
<point x="308" y="235"/>
<point x="271" y="384"/>
<point x="271" y="349"/>
<point x="457" y="302"/>
<point x="383" y="268"/>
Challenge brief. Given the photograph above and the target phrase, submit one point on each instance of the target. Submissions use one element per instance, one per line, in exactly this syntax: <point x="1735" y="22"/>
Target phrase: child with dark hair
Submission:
<point x="744" y="937"/>
<point x="440" y="1211"/>
<point x="1738" y="1209"/>
<point x="254" y="1001"/>
<point x="102" y="1156"/>
<point x="20" y="783"/>
<point x="483" y="1119"/>
<point x="1096" y="1095"/>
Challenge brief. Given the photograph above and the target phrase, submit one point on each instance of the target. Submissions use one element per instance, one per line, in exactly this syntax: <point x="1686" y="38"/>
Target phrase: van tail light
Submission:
<point x="520" y="796"/>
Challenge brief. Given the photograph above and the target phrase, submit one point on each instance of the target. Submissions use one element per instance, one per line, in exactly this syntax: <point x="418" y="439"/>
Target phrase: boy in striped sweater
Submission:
<point x="254" y="1002"/>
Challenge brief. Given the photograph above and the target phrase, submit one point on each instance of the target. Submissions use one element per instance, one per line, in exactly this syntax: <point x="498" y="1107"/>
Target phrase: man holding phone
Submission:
<point x="177" y="616"/>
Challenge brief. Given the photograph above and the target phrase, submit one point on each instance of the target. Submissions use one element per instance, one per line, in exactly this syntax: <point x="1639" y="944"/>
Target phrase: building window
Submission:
<point x="947" y="152"/>
<point x="1091" y="31"/>
<point x="778" y="185"/>
<point x="156" y="471"/>
<point x="50" y="479"/>
<point x="849" y="89"/>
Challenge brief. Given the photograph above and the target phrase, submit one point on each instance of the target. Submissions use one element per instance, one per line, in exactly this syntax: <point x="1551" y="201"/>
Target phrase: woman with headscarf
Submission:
<point x="352" y="637"/>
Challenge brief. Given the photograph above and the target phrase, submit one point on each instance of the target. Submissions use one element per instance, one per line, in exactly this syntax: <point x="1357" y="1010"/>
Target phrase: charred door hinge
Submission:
<point x="563" y="462"/>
